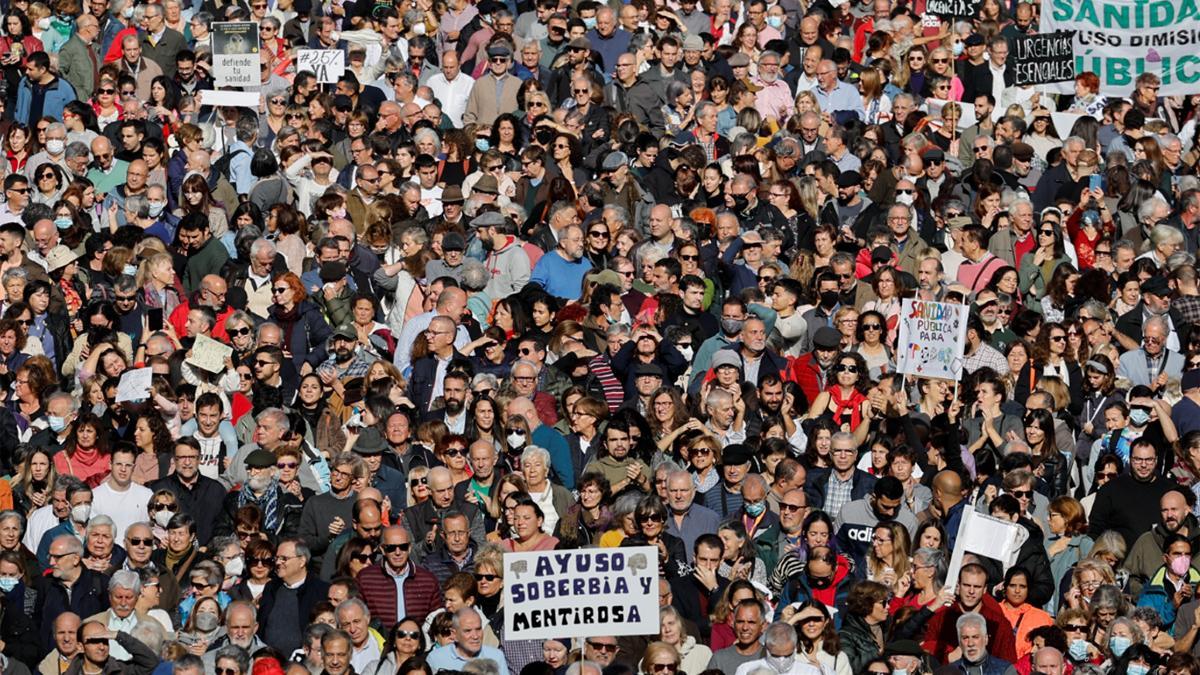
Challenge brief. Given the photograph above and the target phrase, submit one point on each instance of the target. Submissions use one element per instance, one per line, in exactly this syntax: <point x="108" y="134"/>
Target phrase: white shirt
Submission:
<point x="452" y="94"/>
<point x="362" y="658"/>
<point x="125" y="508"/>
<point x="799" y="667"/>
<point x="41" y="521"/>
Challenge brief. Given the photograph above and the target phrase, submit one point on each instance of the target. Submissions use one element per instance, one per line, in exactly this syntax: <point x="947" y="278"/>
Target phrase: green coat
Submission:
<point x="77" y="68"/>
<point x="208" y="260"/>
<point x="163" y="53"/>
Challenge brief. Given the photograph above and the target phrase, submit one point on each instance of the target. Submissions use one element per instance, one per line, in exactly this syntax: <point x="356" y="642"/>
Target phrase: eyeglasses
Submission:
<point x="785" y="506"/>
<point x="980" y="149"/>
<point x="1106" y="475"/>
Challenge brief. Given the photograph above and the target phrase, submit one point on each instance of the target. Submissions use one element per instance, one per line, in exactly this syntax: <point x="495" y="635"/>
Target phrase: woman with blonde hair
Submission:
<point x="888" y="558"/>
<point x="878" y="105"/>
<point x="1089" y="574"/>
<point x="693" y="656"/>
<point x="660" y="658"/>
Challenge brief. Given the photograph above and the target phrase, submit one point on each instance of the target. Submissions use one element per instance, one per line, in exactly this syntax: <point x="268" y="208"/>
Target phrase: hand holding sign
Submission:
<point x="327" y="64"/>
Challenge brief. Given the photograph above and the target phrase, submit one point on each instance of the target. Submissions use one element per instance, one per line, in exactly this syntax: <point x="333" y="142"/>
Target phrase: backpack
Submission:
<point x="221" y="166"/>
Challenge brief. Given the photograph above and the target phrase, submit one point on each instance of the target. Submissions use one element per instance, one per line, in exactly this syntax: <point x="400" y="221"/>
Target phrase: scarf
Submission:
<point x="853" y="404"/>
<point x="267" y="503"/>
<point x="173" y="559"/>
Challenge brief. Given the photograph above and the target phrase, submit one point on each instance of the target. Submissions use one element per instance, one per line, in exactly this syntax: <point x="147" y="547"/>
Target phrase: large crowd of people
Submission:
<point x="283" y="384"/>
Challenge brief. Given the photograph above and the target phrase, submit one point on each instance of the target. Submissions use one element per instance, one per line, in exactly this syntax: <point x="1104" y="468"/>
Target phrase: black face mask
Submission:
<point x="829" y="299"/>
<point x="740" y="203"/>
<point x="820" y="583"/>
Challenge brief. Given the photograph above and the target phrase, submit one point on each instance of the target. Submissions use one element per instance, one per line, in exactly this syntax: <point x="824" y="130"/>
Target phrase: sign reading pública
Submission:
<point x="581" y="593"/>
<point x="1043" y="58"/>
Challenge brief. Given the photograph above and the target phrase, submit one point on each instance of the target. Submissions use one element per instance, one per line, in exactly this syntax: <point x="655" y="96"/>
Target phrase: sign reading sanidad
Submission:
<point x="581" y="593"/>
<point x="1121" y="39"/>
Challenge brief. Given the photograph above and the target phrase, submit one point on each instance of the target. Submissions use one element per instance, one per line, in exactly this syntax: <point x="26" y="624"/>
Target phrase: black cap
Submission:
<point x="974" y="40"/>
<point x="453" y="241"/>
<point x="332" y="271"/>
<point x="849" y="179"/>
<point x="370" y="442"/>
<point x="260" y="459"/>
<point x="1156" y="285"/>
<point x="827" y="337"/>
<point x="647" y="370"/>
<point x="881" y="254"/>
<point x="903" y="648"/>
<point x="343" y="102"/>
<point x="736" y="454"/>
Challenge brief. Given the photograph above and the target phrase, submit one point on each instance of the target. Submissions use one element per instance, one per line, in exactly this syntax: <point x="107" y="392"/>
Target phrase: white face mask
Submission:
<point x="904" y="199"/>
<point x="55" y="146"/>
<point x="81" y="512"/>
<point x="516" y="440"/>
<point x="687" y="353"/>
<point x="44" y="23"/>
<point x="161" y="518"/>
<point x="235" y="567"/>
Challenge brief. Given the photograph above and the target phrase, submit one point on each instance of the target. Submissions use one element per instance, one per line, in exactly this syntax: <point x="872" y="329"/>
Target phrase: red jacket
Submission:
<point x="807" y="373"/>
<point x="422" y="594"/>
<point x="941" y="637"/>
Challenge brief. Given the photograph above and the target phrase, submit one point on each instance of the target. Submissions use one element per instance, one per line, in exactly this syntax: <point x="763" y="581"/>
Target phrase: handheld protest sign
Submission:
<point x="581" y="593"/>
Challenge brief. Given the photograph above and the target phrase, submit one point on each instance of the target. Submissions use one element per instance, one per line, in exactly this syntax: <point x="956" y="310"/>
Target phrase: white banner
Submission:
<point x="581" y="593"/>
<point x="933" y="338"/>
<point x="1120" y="39"/>
<point x="984" y="535"/>
<point x="235" y="54"/>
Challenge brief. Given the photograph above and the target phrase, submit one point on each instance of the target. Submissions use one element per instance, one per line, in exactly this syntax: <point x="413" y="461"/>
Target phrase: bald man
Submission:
<point x="75" y="65"/>
<point x="947" y="504"/>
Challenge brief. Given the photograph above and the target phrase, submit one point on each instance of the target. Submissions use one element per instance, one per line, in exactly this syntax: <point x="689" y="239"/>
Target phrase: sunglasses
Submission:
<point x="95" y="641"/>
<point x="602" y="647"/>
<point x="872" y="326"/>
<point x="853" y="370"/>
<point x="161" y="507"/>
<point x="486" y="577"/>
<point x="361" y="557"/>
<point x="237" y="331"/>
<point x="286" y="465"/>
<point x="280" y="289"/>
<point x="392" y="548"/>
<point x="651" y="518"/>
<point x="262" y="561"/>
<point x="408" y="634"/>
<point x="141" y="542"/>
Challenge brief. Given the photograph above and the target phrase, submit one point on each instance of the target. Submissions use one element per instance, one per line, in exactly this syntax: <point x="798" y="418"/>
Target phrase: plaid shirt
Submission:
<point x="837" y="494"/>
<point x="988" y="356"/>
<point x="358" y="367"/>
<point x="1188" y="309"/>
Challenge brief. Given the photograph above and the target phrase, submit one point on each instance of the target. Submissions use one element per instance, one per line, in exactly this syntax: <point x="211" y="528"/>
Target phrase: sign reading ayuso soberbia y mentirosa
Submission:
<point x="581" y="593"/>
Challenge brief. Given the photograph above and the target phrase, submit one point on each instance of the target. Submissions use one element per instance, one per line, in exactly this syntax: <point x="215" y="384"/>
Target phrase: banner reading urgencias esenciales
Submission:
<point x="1121" y="39"/>
<point x="581" y="593"/>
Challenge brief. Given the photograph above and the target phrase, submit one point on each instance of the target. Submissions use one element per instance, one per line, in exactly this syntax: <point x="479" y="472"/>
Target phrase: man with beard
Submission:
<point x="1156" y="302"/>
<point x="757" y="360"/>
<point x="506" y="259"/>
<point x="366" y="522"/>
<point x="455" y="388"/>
<point x="211" y="294"/>
<point x="1145" y="558"/>
<point x="370" y="446"/>
<point x="346" y="361"/>
<point x="561" y="271"/>
<point x="752" y="214"/>
<point x="855" y="524"/>
<point x="205" y="254"/>
<point x="280" y="508"/>
<point x="774" y="98"/>
<point x="241" y="626"/>
<point x="69" y="587"/>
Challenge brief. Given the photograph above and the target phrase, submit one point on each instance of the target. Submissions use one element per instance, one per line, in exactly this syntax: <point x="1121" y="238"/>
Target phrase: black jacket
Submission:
<point x="88" y="596"/>
<point x="420" y="385"/>
<point x="202" y="501"/>
<point x="286" y="503"/>
<point x="311" y="592"/>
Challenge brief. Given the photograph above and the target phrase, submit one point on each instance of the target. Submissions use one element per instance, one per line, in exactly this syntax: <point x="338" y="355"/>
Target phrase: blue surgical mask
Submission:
<point x="129" y="270"/>
<point x="63" y="222"/>
<point x="1078" y="650"/>
<point x="775" y="21"/>
<point x="1118" y="644"/>
<point x="755" y="509"/>
<point x="1136" y="669"/>
<point x="1139" y="418"/>
<point x="589" y="22"/>
<point x="57" y="424"/>
<point x="958" y="48"/>
<point x="8" y="583"/>
<point x="156" y="209"/>
<point x="482" y="144"/>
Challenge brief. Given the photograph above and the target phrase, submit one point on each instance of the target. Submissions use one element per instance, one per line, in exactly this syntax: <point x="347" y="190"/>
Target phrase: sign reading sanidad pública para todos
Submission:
<point x="581" y="593"/>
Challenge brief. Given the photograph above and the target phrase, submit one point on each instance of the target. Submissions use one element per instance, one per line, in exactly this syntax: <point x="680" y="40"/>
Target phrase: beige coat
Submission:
<point x="483" y="106"/>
